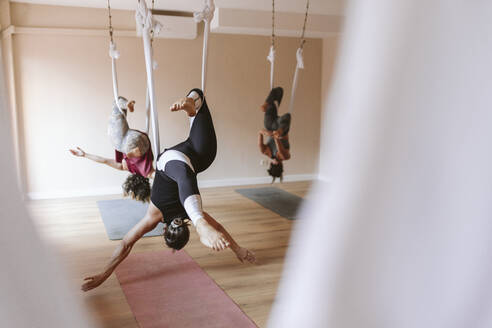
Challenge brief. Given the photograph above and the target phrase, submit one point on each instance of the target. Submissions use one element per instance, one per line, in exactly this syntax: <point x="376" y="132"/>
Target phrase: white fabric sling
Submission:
<point x="299" y="66"/>
<point x="144" y="20"/>
<point x="115" y="54"/>
<point x="206" y="15"/>
<point x="271" y="59"/>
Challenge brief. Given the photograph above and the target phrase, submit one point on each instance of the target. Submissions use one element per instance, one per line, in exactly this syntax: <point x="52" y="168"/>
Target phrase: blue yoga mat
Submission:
<point x="120" y="215"/>
<point x="277" y="200"/>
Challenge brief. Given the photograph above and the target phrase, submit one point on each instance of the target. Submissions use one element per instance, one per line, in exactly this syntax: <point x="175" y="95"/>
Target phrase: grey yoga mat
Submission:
<point x="277" y="200"/>
<point x="120" y="215"/>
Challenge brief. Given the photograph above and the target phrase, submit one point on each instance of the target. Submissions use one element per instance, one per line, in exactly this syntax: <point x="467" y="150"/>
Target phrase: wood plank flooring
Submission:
<point x="75" y="231"/>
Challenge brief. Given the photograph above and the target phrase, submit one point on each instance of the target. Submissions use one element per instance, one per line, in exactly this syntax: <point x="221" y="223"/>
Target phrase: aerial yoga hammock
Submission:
<point x="175" y="195"/>
<point x="276" y="128"/>
<point x="133" y="150"/>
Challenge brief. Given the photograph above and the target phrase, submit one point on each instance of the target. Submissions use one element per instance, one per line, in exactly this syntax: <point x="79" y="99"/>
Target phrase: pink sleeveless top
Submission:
<point x="137" y="165"/>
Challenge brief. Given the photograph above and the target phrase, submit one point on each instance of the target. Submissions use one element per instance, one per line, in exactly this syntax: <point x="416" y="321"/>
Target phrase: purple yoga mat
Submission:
<point x="171" y="290"/>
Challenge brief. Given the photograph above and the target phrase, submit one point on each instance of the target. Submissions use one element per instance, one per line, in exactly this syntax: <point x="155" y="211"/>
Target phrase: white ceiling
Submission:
<point x="329" y="7"/>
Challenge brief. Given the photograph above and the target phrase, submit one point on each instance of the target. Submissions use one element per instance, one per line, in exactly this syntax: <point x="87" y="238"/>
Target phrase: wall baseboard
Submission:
<point x="252" y="181"/>
<point x="37" y="195"/>
<point x="201" y="183"/>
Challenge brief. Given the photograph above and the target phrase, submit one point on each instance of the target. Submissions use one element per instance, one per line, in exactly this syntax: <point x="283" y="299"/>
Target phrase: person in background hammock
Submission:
<point x="276" y="131"/>
<point x="133" y="152"/>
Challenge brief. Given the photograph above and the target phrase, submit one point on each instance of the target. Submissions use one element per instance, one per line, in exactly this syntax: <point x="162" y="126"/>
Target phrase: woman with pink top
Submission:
<point x="132" y="152"/>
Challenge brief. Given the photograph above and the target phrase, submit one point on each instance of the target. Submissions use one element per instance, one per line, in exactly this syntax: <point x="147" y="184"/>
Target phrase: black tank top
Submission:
<point x="165" y="196"/>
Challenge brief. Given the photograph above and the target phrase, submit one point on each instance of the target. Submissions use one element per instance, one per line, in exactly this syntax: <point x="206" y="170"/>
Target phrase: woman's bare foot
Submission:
<point x="264" y="107"/>
<point x="186" y="104"/>
<point x="135" y="152"/>
<point x="211" y="237"/>
<point x="131" y="106"/>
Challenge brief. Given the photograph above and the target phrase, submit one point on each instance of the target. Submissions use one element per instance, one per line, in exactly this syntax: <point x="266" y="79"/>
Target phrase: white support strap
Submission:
<point x="206" y="15"/>
<point x="143" y="17"/>
<point x="299" y="66"/>
<point x="147" y="111"/>
<point x="115" y="54"/>
<point x="271" y="59"/>
<point x="147" y="100"/>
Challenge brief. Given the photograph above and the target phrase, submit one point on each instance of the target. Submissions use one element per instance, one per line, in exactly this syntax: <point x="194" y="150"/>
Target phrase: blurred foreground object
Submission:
<point x="33" y="290"/>
<point x="402" y="234"/>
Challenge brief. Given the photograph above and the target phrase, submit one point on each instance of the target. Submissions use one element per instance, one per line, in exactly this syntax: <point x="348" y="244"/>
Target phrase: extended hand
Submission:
<point x="93" y="281"/>
<point x="79" y="152"/>
<point x="245" y="254"/>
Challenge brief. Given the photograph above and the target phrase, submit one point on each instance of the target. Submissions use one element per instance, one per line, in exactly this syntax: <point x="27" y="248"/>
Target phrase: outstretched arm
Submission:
<point x="261" y="145"/>
<point x="149" y="221"/>
<point x="241" y="253"/>
<point x="110" y="162"/>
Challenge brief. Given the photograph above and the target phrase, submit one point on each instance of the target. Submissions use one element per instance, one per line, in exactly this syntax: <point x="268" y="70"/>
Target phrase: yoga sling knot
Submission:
<point x="271" y="55"/>
<point x="300" y="59"/>
<point x="145" y="20"/>
<point x="206" y="14"/>
<point x="113" y="52"/>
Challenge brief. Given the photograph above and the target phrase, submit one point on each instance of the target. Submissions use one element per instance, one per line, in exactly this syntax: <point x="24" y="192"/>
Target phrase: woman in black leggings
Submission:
<point x="175" y="196"/>
<point x="276" y="130"/>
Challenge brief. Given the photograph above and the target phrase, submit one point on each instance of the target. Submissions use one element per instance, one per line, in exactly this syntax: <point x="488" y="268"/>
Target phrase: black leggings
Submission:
<point x="177" y="181"/>
<point x="201" y="145"/>
<point x="272" y="121"/>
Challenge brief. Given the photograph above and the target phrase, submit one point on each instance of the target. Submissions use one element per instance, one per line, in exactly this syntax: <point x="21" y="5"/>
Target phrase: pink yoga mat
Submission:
<point x="171" y="290"/>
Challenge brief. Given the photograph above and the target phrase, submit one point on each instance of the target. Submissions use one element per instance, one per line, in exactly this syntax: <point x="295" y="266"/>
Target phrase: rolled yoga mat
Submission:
<point x="120" y="215"/>
<point x="170" y="290"/>
<point x="277" y="200"/>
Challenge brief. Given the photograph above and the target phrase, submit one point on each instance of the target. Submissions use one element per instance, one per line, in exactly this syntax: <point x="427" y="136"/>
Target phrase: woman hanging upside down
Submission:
<point x="276" y="130"/>
<point x="175" y="196"/>
<point x="132" y="152"/>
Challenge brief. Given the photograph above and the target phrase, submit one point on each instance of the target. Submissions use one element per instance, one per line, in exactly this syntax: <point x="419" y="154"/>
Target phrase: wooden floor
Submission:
<point x="75" y="230"/>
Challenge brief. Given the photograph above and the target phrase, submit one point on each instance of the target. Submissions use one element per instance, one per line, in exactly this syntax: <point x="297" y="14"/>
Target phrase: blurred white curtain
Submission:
<point x="33" y="290"/>
<point x="402" y="236"/>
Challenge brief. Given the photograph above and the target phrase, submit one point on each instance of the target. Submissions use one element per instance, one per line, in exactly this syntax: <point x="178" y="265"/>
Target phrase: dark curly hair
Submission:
<point x="276" y="171"/>
<point x="177" y="234"/>
<point x="137" y="187"/>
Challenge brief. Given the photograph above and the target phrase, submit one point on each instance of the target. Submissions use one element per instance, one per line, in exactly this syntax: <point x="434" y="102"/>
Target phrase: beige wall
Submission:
<point x="329" y="53"/>
<point x="64" y="98"/>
